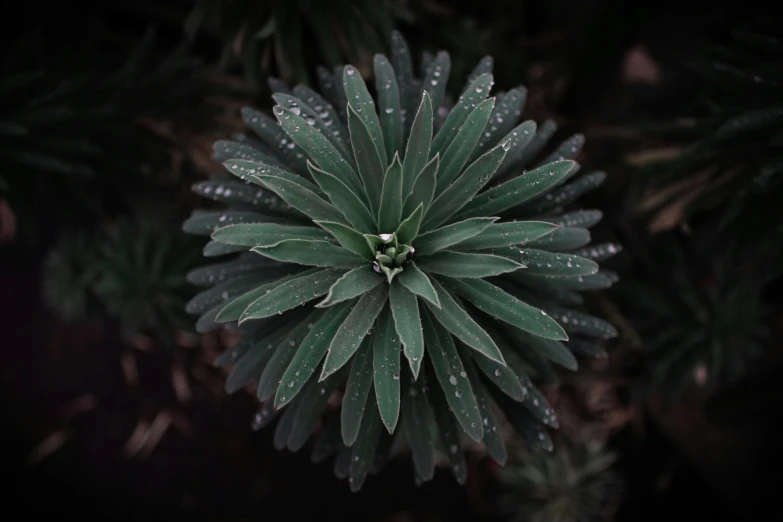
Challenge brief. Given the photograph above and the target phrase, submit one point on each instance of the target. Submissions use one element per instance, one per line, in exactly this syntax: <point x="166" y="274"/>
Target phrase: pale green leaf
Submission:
<point x="476" y="92"/>
<point x="302" y="199"/>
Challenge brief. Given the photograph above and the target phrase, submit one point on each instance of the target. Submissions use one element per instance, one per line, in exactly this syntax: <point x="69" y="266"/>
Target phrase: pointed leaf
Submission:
<point x="391" y="200"/>
<point x="504" y="116"/>
<point x="310" y="353"/>
<point x="274" y="136"/>
<point x="452" y="377"/>
<point x="476" y="92"/>
<point x="389" y="106"/>
<point x="247" y="170"/>
<point x="205" y="223"/>
<point x="520" y="137"/>
<point x="417" y="152"/>
<point x="312" y="404"/>
<point x="456" y="320"/>
<point x="284" y="426"/>
<point x="403" y="68"/>
<point x="518" y="190"/>
<point x="369" y="163"/>
<point x="224" y="150"/>
<point x="453" y="234"/>
<point x="349" y="203"/>
<point x="317" y="147"/>
<point x="291" y="294"/>
<point x="349" y="238"/>
<point x="356" y="392"/>
<point x="265" y="234"/>
<point x="565" y="238"/>
<point x="326" y="111"/>
<point x="386" y="368"/>
<point x="467" y="185"/>
<point x="492" y="300"/>
<point x="416" y="421"/>
<point x="356" y="326"/>
<point x="312" y="253"/>
<point x="499" y="235"/>
<point x="493" y="440"/>
<point x="213" y="249"/>
<point x="302" y="199"/>
<point x="434" y="82"/>
<point x="417" y="282"/>
<point x="407" y="322"/>
<point x="364" y="450"/>
<point x="463" y="144"/>
<point x="233" y="310"/>
<point x="236" y="193"/>
<point x="351" y="285"/>
<point x="359" y="97"/>
<point x="449" y="432"/>
<point x="409" y="228"/>
<point x="502" y="376"/>
<point x="460" y="264"/>
<point x="423" y="190"/>
<point x="283" y="354"/>
<point x="539" y="262"/>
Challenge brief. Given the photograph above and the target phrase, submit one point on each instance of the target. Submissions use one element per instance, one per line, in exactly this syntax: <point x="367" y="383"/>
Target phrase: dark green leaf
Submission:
<point x="453" y="234"/>
<point x="434" y="82"/>
<point x="499" y="235"/>
<point x="356" y="326"/>
<point x="349" y="239"/>
<point x="266" y="234"/>
<point x="281" y="359"/>
<point x="369" y="163"/>
<point x="463" y="144"/>
<point x="475" y="93"/>
<point x="391" y="200"/>
<point x="405" y="309"/>
<point x="284" y="426"/>
<point x="359" y="97"/>
<point x="460" y="264"/>
<point x="403" y="67"/>
<point x="449" y="432"/>
<point x="566" y="238"/>
<point x="233" y="310"/>
<point x="356" y="392"/>
<point x="349" y="203"/>
<point x="291" y="294"/>
<point x="416" y="421"/>
<point x="419" y="283"/>
<point x="423" y="188"/>
<point x="417" y="152"/>
<point x="389" y="106"/>
<point x="363" y="454"/>
<point x="351" y="285"/>
<point x="539" y="262"/>
<point x="311" y="406"/>
<point x="386" y="367"/>
<point x="205" y="223"/>
<point x="493" y="439"/>
<point x="409" y="228"/>
<point x="311" y="253"/>
<point x="302" y="199"/>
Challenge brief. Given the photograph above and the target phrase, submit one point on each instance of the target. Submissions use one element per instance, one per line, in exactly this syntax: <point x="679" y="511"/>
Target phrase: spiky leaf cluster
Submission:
<point x="425" y="270"/>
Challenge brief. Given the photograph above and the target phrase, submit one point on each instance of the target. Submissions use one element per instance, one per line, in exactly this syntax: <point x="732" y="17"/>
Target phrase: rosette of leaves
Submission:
<point x="703" y="316"/>
<point x="132" y="273"/>
<point x="577" y="483"/>
<point x="422" y="270"/>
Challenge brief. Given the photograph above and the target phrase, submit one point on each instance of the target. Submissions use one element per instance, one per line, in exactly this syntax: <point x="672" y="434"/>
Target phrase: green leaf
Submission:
<point x="423" y="188"/>
<point x="581" y="323"/>
<point x="416" y="421"/>
<point x="386" y="367"/>
<point x="520" y="137"/>
<point x="449" y="432"/>
<point x="270" y="132"/>
<point x="389" y="106"/>
<point x="506" y="234"/>
<point x="242" y="194"/>
<point x="348" y="238"/>
<point x="205" y="223"/>
<point x="456" y="233"/>
<point x="369" y="163"/>
<point x="364" y="450"/>
<point x="312" y="253"/>
<point x="349" y="203"/>
<point x="248" y="170"/>
<point x="458" y="153"/>
<point x="265" y="234"/>
<point x="284" y="426"/>
<point x="502" y="376"/>
<point x="566" y="238"/>
<point x="532" y="431"/>
<point x="564" y="195"/>
<point x="417" y="152"/>
<point x="391" y="200"/>
<point x="458" y="322"/>
<point x="224" y="150"/>
<point x="310" y="353"/>
<point x="504" y="116"/>
<point x="578" y="218"/>
<point x="245" y="264"/>
<point x="356" y="326"/>
<point x="453" y="378"/>
<point x="351" y="285"/>
<point x="409" y="228"/>
<point x="358" y="96"/>
<point x="550" y="349"/>
<point x="403" y="68"/>
<point x="569" y="149"/>
<point x="213" y="249"/>
<point x="539" y="262"/>
<point x="407" y="322"/>
<point x="317" y="147"/>
<point x="233" y="310"/>
<point x="518" y="190"/>
<point x="224" y="291"/>
<point x="475" y="93"/>
<point x="302" y="199"/>
<point x="492" y="300"/>
<point x="417" y="282"/>
<point x="356" y="391"/>
<point x="436" y="78"/>
<point x="310" y="408"/>
<point x="282" y="356"/>
<point x="467" y="185"/>
<point x="327" y="112"/>
<point x="493" y="440"/>
<point x="290" y="294"/>
<point x="460" y="264"/>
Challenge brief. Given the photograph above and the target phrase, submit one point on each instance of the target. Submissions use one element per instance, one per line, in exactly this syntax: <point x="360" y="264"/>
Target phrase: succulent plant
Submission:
<point x="404" y="256"/>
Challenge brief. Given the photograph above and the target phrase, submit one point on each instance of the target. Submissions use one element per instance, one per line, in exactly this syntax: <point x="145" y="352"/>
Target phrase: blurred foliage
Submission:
<point x="133" y="272"/>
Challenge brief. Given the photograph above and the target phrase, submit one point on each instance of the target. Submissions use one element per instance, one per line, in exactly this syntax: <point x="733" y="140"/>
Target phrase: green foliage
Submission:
<point x="417" y="247"/>
<point x="574" y="484"/>
<point x="133" y="273"/>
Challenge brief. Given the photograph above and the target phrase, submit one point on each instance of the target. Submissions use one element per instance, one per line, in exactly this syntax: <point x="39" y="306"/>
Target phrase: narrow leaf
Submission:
<point x="409" y="228"/>
<point x="356" y="326"/>
<point x="391" y="199"/>
<point x="416" y="421"/>
<point x="386" y="368"/>
<point x="356" y="391"/>
<point x="302" y="199"/>
<point x="436" y="78"/>
<point x="417" y="282"/>
<point x="456" y="233"/>
<point x="365" y="447"/>
<point x="460" y="264"/>
<point x="476" y="92"/>
<point x="359" y="97"/>
<point x="233" y="310"/>
<point x="423" y="190"/>
<point x="407" y="322"/>
<point x="349" y="238"/>
<point x="389" y="106"/>
<point x="266" y="234"/>
<point x="449" y="432"/>
<point x="417" y="152"/>
<point x="493" y="439"/>
<point x="312" y="253"/>
<point x="565" y="238"/>
<point x="499" y="235"/>
<point x="458" y="153"/>
<point x="291" y="294"/>
<point x="312" y="404"/>
<point x="351" y="204"/>
<point x="540" y="262"/>
<point x="369" y="163"/>
<point x="282" y="356"/>
<point x="353" y="284"/>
